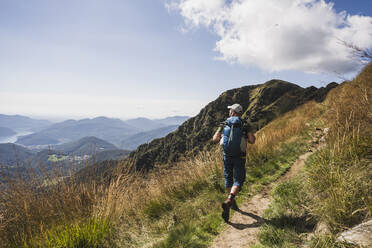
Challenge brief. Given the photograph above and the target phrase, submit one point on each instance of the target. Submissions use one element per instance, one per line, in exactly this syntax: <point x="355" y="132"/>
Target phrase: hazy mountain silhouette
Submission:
<point x="19" y="122"/>
<point x="133" y="141"/>
<point x="6" y="132"/>
<point x="110" y="129"/>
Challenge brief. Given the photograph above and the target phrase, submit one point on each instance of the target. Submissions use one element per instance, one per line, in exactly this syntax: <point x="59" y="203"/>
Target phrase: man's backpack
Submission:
<point x="234" y="137"/>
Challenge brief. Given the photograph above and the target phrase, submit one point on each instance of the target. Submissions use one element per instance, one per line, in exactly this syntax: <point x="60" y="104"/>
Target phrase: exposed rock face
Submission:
<point x="359" y="235"/>
<point x="261" y="104"/>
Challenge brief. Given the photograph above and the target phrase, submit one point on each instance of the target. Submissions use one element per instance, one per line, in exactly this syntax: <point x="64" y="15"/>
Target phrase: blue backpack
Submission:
<point x="234" y="137"/>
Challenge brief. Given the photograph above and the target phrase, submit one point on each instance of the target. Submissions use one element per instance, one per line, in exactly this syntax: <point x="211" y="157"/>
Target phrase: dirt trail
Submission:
<point x="243" y="227"/>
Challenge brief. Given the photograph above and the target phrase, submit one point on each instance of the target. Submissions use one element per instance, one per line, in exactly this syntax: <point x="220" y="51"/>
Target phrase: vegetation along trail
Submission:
<point x="243" y="227"/>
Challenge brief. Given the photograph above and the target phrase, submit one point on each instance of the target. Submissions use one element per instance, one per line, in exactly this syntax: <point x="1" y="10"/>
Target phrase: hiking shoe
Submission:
<point x="226" y="205"/>
<point x="234" y="206"/>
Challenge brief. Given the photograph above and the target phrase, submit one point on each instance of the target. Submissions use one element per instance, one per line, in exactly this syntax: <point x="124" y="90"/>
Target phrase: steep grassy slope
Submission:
<point x="334" y="190"/>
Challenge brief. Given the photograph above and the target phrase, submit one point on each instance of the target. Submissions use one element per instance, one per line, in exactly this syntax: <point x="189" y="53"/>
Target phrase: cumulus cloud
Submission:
<point x="274" y="35"/>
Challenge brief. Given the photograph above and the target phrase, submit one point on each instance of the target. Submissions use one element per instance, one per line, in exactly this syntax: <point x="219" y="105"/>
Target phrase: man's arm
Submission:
<point x="251" y="138"/>
<point x="217" y="136"/>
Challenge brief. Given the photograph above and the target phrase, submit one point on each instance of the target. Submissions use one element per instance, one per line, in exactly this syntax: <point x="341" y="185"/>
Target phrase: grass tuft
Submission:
<point x="93" y="233"/>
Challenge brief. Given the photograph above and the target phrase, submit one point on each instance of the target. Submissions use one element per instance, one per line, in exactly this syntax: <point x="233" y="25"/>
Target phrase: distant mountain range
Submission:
<point x="115" y="131"/>
<point x="77" y="142"/>
<point x="112" y="130"/>
<point x="78" y="138"/>
<point x="144" y="124"/>
<point x="173" y="120"/>
<point x="133" y="141"/>
<point x="6" y="132"/>
<point x="22" y="123"/>
<point x="147" y="124"/>
<point x="37" y="139"/>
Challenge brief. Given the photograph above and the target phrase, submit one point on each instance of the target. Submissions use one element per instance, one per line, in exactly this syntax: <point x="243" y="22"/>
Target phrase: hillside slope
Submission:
<point x="85" y="146"/>
<point x="11" y="154"/>
<point x="261" y="104"/>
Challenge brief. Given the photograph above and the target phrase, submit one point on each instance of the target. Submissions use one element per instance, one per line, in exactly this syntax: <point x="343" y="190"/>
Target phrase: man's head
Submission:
<point x="235" y="110"/>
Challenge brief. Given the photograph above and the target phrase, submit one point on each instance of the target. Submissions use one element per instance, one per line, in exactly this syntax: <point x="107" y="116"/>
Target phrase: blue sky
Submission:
<point x="154" y="58"/>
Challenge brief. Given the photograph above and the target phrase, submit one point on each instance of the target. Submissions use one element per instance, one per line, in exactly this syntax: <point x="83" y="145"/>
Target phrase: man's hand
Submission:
<point x="217" y="136"/>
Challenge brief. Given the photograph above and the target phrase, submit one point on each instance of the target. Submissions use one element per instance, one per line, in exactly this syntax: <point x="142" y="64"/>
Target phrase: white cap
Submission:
<point x="236" y="107"/>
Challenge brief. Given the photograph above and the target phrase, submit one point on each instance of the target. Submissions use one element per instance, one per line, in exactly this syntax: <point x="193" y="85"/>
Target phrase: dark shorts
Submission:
<point x="234" y="170"/>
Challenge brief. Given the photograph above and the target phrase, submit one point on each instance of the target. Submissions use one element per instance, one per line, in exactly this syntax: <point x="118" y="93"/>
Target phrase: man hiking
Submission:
<point x="233" y="137"/>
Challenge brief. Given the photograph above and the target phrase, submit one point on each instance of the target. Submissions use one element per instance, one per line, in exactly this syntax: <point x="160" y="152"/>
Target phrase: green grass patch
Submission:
<point x="327" y="241"/>
<point x="183" y="235"/>
<point x="287" y="221"/>
<point x="156" y="208"/>
<point x="288" y="199"/>
<point x="94" y="233"/>
<point x="271" y="236"/>
<point x="57" y="158"/>
<point x="188" y="190"/>
<point x="193" y="233"/>
<point x="266" y="168"/>
<point x="338" y="183"/>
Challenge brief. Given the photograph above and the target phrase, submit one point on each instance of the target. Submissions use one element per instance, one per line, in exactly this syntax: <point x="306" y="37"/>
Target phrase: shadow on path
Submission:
<point x="242" y="226"/>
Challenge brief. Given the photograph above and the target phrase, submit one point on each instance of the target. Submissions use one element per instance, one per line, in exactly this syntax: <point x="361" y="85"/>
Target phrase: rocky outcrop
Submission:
<point x="360" y="235"/>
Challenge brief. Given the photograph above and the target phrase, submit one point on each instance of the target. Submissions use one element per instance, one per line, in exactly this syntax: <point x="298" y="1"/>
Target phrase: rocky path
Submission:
<point x="243" y="227"/>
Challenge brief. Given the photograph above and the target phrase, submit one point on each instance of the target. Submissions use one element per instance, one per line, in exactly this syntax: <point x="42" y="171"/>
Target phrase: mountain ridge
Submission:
<point x="20" y="122"/>
<point x="261" y="104"/>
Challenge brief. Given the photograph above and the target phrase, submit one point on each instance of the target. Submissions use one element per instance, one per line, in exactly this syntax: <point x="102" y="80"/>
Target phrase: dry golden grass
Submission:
<point x="339" y="178"/>
<point x="287" y="127"/>
<point x="29" y="208"/>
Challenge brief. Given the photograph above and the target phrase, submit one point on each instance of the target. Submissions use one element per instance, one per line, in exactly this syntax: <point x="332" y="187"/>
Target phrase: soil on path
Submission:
<point x="243" y="227"/>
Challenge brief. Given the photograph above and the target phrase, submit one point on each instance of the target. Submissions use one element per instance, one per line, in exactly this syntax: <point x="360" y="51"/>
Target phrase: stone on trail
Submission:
<point x="359" y="235"/>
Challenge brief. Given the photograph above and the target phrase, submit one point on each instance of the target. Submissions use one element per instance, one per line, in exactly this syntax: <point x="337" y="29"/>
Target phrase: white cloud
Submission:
<point x="280" y="35"/>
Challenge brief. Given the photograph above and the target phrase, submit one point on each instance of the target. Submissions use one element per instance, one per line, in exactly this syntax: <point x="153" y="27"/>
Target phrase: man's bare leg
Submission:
<point x="234" y="190"/>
